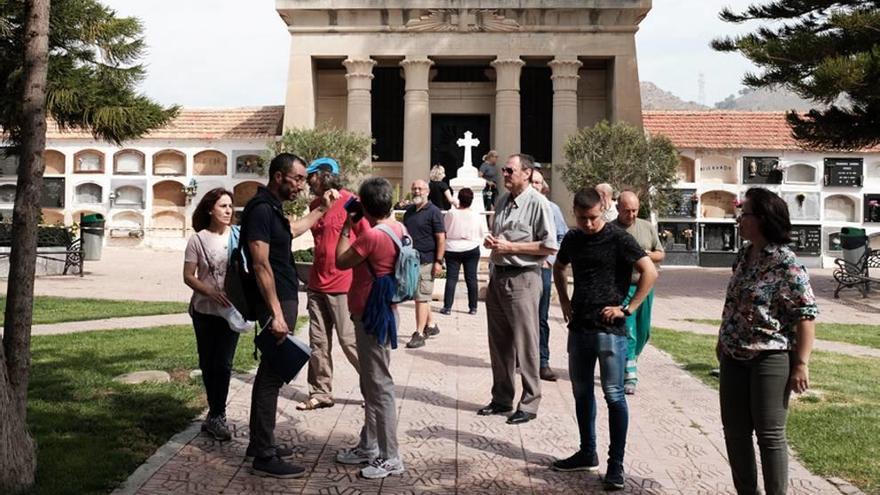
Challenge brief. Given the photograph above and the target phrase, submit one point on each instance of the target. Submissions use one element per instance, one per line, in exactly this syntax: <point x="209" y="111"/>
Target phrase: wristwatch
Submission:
<point x="441" y="261"/>
<point x="626" y="310"/>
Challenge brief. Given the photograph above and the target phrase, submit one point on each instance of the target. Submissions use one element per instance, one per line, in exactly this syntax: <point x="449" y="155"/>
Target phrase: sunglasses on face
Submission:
<point x="507" y="170"/>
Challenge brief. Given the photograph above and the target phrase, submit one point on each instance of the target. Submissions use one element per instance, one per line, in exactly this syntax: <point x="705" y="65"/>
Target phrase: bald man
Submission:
<point x="638" y="324"/>
<point x="424" y="222"/>
<point x="609" y="210"/>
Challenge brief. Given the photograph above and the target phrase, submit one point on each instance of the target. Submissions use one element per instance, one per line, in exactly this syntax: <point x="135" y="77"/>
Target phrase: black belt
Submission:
<point x="513" y="269"/>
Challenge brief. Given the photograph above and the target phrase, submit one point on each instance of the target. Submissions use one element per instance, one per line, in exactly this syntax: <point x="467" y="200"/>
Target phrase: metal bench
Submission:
<point x="857" y="275"/>
<point x="53" y="243"/>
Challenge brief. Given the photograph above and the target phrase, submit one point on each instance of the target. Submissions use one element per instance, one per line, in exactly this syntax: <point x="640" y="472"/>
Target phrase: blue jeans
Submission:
<point x="454" y="260"/>
<point x="584" y="349"/>
<point x="543" y="315"/>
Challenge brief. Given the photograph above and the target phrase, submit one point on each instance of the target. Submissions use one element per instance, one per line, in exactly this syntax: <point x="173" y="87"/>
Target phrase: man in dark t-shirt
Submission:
<point x="268" y="235"/>
<point x="603" y="257"/>
<point x="424" y="222"/>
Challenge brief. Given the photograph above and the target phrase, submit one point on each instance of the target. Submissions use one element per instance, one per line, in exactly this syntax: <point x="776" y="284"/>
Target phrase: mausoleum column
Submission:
<point x="299" y="107"/>
<point x="360" y="83"/>
<point x="417" y="120"/>
<point x="625" y="92"/>
<point x="507" y="111"/>
<point x="565" y="122"/>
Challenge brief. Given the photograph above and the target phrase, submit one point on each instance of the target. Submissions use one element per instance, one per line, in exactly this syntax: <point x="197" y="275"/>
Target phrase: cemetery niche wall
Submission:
<point x="248" y="162"/>
<point x="806" y="240"/>
<point x="169" y="162"/>
<point x="209" y="162"/>
<point x="54" y="162"/>
<point x="8" y="164"/>
<point x="88" y="193"/>
<point x="88" y="162"/>
<point x="717" y="204"/>
<point x="52" y="195"/>
<point x="718" y="169"/>
<point x="128" y="162"/>
<point x="800" y="173"/>
<point x="761" y="170"/>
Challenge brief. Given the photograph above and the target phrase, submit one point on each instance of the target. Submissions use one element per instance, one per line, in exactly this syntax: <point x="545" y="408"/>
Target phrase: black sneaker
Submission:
<point x="580" y="461"/>
<point x="613" y="479"/>
<point x="432" y="330"/>
<point x="274" y="467"/>
<point x="472" y="311"/>
<point x="445" y="311"/>
<point x="416" y="341"/>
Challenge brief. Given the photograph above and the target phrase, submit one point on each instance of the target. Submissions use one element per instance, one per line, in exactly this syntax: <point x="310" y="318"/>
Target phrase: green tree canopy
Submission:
<point x="93" y="71"/>
<point x="827" y="51"/>
<point x="623" y="156"/>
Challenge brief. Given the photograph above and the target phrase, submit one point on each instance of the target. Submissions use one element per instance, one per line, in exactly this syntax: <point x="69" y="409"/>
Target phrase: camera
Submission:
<point x="355" y="209"/>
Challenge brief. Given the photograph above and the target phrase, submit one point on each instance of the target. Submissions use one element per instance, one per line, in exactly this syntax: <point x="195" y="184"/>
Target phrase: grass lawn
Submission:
<point x="864" y="335"/>
<point x="92" y="432"/>
<point x="48" y="309"/>
<point x="835" y="432"/>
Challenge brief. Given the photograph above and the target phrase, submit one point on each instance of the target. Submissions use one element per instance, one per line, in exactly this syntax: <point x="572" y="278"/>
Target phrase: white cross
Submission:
<point x="468" y="143"/>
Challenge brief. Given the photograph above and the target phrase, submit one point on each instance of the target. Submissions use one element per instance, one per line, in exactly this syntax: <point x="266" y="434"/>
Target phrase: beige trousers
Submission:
<point x="327" y="311"/>
<point x="512" y="313"/>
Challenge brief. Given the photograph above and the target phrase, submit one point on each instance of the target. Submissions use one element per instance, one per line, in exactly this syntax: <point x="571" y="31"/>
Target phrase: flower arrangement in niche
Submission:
<point x="874" y="210"/>
<point x="800" y="199"/>
<point x="191" y="189"/>
<point x="665" y="234"/>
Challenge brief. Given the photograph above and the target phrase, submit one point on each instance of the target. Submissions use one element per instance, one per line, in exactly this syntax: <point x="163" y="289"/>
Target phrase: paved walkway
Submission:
<point x="675" y="441"/>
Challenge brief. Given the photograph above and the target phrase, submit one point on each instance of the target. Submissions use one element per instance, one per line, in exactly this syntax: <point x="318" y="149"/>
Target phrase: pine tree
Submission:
<point x="76" y="61"/>
<point x="827" y="51"/>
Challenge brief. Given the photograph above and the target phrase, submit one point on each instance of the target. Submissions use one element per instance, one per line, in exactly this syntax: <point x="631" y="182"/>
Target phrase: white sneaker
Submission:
<point x="382" y="468"/>
<point x="355" y="455"/>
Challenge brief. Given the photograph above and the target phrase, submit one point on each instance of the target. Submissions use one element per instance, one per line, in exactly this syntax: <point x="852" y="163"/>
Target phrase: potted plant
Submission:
<point x="304" y="259"/>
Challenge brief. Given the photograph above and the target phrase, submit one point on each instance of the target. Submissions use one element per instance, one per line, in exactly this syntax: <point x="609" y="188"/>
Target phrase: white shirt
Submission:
<point x="465" y="230"/>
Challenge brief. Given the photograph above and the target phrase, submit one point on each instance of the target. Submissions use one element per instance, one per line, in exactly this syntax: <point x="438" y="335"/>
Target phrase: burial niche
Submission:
<point x="54" y="162"/>
<point x="248" y="163"/>
<point x="8" y="163"/>
<point x="7" y="193"/>
<point x="717" y="204"/>
<point x="718" y="169"/>
<point x="129" y="197"/>
<point x="52" y="217"/>
<point x="168" y="223"/>
<point x="244" y="192"/>
<point x="88" y="193"/>
<point x="209" y="162"/>
<point x="168" y="193"/>
<point x="169" y="162"/>
<point x="88" y="162"/>
<point x="52" y="195"/>
<point x="685" y="171"/>
<point x="128" y="162"/>
<point x="840" y="208"/>
<point x="800" y="173"/>
<point x="802" y="205"/>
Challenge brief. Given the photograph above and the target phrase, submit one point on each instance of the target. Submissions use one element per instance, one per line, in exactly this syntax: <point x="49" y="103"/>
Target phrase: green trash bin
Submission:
<point x="854" y="243"/>
<point x="92" y="228"/>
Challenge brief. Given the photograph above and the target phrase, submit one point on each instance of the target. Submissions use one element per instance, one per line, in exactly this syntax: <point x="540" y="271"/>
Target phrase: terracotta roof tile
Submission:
<point x="724" y="129"/>
<point x="206" y="123"/>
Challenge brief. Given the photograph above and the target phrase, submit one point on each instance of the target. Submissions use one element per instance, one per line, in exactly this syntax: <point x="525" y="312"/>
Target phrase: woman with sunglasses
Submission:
<point x="764" y="343"/>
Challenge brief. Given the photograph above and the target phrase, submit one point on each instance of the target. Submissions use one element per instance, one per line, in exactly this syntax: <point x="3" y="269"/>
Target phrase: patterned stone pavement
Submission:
<point x="675" y="442"/>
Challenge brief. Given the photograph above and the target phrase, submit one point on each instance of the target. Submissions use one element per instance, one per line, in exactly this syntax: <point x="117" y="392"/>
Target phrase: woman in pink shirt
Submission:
<point x="372" y="256"/>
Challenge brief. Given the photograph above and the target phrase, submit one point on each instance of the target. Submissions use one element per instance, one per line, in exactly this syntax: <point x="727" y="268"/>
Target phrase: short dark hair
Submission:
<point x="201" y="218"/>
<point x="465" y="197"/>
<point x="283" y="162"/>
<point x="376" y="196"/>
<point x="772" y="214"/>
<point x="587" y="198"/>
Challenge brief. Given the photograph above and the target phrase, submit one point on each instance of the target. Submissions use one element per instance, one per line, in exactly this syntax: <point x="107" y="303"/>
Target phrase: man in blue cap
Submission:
<point x="328" y="287"/>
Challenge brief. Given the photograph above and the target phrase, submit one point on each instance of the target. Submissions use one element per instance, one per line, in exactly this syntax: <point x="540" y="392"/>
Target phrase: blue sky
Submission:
<point x="208" y="53"/>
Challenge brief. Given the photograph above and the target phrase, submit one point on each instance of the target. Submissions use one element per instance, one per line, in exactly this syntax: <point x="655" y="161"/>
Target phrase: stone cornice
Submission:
<point x="463" y="16"/>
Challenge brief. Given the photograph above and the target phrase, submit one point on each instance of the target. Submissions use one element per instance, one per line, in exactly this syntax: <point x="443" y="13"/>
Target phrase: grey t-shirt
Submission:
<point x="646" y="236"/>
<point x="525" y="218"/>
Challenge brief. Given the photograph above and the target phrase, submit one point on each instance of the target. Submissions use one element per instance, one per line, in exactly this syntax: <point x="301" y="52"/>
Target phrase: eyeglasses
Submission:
<point x="295" y="178"/>
<point x="507" y="170"/>
<point x="745" y="214"/>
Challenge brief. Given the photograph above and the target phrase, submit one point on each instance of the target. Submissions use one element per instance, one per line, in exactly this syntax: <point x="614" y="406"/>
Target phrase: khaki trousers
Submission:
<point x="512" y="313"/>
<point x="327" y="311"/>
<point x="379" y="433"/>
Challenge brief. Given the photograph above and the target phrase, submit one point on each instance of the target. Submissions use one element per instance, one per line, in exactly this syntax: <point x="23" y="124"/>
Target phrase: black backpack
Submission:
<point x="240" y="283"/>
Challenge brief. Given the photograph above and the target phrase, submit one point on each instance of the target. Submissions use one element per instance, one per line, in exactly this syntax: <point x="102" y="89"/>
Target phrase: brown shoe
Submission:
<point x="547" y="374"/>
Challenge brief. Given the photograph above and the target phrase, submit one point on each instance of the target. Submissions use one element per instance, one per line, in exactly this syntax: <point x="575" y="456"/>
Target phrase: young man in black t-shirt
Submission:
<point x="603" y="257"/>
<point x="268" y="235"/>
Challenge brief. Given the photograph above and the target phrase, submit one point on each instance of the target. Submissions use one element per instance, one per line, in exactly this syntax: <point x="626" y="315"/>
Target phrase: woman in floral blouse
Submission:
<point x="764" y="344"/>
